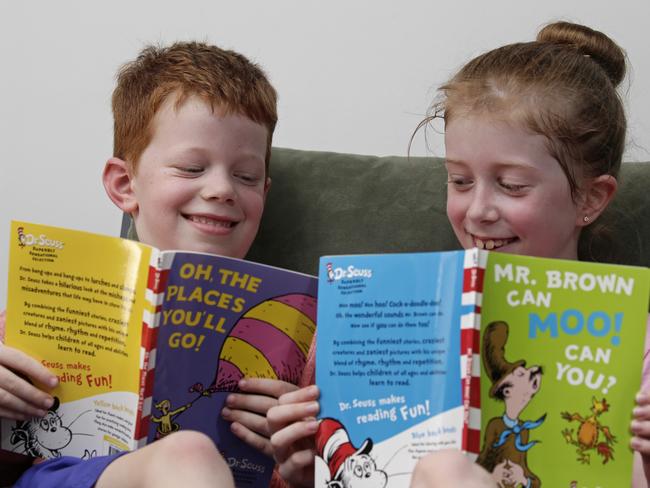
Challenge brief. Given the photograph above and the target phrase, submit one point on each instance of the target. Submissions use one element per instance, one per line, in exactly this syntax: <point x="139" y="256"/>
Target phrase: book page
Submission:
<point x="75" y="303"/>
<point x="561" y="360"/>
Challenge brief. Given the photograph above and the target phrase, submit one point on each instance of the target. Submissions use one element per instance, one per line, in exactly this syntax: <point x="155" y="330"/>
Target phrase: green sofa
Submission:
<point x="329" y="203"/>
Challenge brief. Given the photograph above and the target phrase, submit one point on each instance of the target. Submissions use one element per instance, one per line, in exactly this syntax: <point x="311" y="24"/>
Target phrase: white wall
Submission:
<point x="353" y="76"/>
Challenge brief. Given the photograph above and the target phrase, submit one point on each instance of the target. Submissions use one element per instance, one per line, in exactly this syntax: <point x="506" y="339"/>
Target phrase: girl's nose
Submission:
<point x="483" y="205"/>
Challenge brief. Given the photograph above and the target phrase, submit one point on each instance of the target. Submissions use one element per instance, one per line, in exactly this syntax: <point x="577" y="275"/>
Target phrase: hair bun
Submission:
<point x="588" y="42"/>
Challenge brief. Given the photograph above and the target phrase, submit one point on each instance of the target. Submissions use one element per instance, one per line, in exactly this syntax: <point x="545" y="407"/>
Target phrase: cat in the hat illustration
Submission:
<point x="506" y="442"/>
<point x="349" y="466"/>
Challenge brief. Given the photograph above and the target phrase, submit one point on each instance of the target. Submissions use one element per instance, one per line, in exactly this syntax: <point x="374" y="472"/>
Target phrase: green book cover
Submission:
<point x="561" y="356"/>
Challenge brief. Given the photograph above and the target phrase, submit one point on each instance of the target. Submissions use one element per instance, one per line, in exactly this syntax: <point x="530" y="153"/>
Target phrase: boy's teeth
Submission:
<point x="205" y="220"/>
<point x="479" y="243"/>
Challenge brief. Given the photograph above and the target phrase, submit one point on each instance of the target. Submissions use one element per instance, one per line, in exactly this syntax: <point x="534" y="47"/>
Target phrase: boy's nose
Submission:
<point x="218" y="187"/>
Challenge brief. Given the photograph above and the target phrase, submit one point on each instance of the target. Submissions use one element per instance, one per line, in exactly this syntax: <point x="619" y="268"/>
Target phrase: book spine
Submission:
<point x="156" y="282"/>
<point x="473" y="277"/>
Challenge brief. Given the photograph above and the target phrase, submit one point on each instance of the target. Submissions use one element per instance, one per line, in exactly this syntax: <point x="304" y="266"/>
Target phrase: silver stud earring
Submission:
<point x="585" y="219"/>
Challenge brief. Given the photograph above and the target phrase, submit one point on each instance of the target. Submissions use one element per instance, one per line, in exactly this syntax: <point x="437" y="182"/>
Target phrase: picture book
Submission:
<point x="146" y="342"/>
<point x="528" y="365"/>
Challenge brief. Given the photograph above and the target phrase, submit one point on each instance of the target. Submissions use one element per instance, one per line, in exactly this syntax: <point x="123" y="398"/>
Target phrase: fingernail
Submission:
<point x="636" y="411"/>
<point x="635" y="443"/>
<point x="313" y="407"/>
<point x="47" y="403"/>
<point x="53" y="381"/>
<point x="634" y="425"/>
<point x="313" y="389"/>
<point x="225" y="413"/>
<point x="242" y="383"/>
<point x="312" y="425"/>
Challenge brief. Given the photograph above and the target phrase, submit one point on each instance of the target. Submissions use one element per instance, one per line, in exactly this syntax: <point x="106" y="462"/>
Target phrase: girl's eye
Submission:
<point x="459" y="182"/>
<point x="512" y="187"/>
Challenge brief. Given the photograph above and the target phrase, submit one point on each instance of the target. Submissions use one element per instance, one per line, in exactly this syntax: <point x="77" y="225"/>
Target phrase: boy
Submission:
<point x="193" y="126"/>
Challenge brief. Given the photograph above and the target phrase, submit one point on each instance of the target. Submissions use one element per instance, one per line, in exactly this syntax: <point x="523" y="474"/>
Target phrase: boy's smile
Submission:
<point x="200" y="184"/>
<point x="506" y="191"/>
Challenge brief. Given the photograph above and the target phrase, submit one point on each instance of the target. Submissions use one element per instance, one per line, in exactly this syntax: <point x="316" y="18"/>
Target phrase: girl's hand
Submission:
<point x="640" y="427"/>
<point x="247" y="411"/>
<point x="293" y="425"/>
<point x="20" y="400"/>
<point x="450" y="468"/>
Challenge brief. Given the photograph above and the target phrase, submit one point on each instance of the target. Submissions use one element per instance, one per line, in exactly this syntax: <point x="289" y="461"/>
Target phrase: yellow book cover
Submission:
<point x="76" y="302"/>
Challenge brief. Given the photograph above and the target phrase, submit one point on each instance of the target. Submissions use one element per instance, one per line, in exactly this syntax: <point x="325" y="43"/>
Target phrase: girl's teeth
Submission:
<point x="490" y="243"/>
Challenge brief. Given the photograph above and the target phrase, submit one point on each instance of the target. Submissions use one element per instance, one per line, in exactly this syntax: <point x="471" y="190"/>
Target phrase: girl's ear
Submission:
<point x="117" y="179"/>
<point x="596" y="195"/>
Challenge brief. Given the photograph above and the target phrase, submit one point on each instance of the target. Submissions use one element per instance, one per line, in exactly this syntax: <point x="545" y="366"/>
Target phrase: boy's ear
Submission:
<point x="596" y="195"/>
<point x="117" y="182"/>
<point x="267" y="187"/>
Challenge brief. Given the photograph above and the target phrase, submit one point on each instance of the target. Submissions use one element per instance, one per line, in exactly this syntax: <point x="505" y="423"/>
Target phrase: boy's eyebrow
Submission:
<point x="190" y="151"/>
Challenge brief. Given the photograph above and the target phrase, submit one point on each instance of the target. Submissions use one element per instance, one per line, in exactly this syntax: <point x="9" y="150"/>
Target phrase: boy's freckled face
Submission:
<point x="506" y="192"/>
<point x="200" y="184"/>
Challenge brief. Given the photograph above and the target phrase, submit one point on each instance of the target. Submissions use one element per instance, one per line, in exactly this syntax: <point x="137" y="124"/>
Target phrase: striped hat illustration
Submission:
<point x="334" y="447"/>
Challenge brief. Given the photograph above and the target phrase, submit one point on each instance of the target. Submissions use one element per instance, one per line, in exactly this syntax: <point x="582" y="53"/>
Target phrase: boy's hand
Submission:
<point x="20" y="400"/>
<point x="248" y="411"/>
<point x="293" y="425"/>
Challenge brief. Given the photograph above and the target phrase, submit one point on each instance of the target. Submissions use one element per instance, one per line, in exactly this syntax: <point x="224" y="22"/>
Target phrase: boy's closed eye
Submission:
<point x="251" y="179"/>
<point x="188" y="168"/>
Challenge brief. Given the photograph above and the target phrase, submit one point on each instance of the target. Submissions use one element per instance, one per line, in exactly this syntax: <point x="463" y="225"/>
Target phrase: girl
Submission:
<point x="534" y="136"/>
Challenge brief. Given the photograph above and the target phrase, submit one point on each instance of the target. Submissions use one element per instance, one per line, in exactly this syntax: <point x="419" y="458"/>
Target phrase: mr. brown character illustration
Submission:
<point x="506" y="442"/>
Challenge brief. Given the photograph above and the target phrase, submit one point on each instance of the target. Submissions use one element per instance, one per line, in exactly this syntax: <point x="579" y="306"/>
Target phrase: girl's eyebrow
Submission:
<point x="503" y="164"/>
<point x="454" y="162"/>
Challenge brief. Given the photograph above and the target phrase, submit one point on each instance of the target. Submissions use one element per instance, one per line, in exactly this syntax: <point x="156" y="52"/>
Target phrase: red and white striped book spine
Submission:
<point x="156" y="283"/>
<point x="473" y="275"/>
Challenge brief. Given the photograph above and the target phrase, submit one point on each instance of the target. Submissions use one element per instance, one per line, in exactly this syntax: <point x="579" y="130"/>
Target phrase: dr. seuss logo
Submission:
<point x="335" y="274"/>
<point x="21" y="237"/>
<point x="32" y="240"/>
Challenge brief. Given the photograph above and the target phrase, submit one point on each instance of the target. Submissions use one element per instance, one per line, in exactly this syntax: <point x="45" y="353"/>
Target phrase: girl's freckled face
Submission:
<point x="506" y="191"/>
